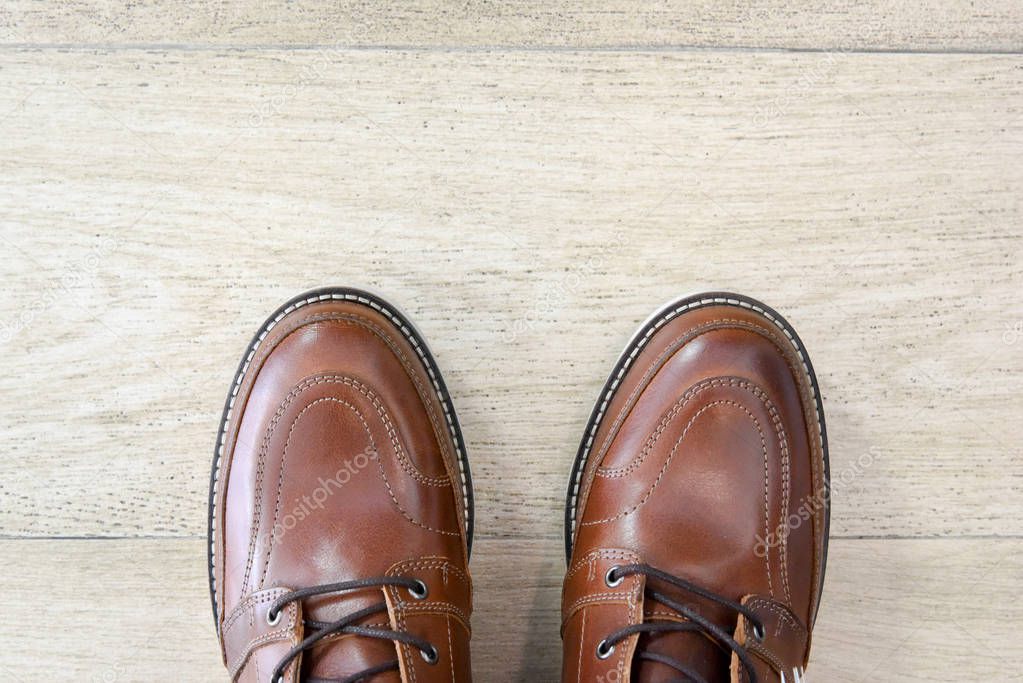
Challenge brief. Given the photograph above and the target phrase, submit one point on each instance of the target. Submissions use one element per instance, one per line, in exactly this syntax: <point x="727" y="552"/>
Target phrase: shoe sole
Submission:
<point x="404" y="325"/>
<point x="632" y="349"/>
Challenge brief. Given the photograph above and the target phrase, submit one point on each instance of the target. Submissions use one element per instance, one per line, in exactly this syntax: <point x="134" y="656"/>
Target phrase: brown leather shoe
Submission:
<point x="340" y="503"/>
<point x="697" y="517"/>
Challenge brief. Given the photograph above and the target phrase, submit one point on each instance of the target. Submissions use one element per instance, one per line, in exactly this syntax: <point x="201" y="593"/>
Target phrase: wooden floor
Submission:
<point x="528" y="181"/>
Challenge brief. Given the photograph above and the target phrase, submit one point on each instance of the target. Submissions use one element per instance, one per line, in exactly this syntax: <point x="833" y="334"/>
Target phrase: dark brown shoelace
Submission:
<point x="695" y="623"/>
<point x="347" y="624"/>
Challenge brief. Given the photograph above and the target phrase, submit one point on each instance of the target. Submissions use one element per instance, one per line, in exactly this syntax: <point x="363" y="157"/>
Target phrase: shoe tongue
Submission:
<point x="690" y="648"/>
<point x="343" y="655"/>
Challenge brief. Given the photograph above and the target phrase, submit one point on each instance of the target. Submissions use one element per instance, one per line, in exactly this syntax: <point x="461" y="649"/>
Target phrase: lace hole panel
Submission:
<point x="604" y="650"/>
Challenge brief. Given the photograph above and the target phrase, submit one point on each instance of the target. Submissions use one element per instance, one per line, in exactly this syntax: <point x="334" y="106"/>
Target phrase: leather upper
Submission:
<point x="707" y="462"/>
<point x="338" y="463"/>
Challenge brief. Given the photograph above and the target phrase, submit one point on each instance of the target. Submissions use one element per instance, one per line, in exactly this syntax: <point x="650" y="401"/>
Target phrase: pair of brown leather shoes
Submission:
<point x="341" y="503"/>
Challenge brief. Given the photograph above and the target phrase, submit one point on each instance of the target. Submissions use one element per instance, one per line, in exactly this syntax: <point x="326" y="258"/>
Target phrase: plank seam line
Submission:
<point x="517" y="539"/>
<point x="310" y="47"/>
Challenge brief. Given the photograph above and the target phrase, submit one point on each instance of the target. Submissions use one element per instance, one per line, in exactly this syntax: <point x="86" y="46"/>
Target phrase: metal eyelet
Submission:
<point x="604" y="650"/>
<point x="430" y="656"/>
<point x="419" y="591"/>
<point x="758" y="631"/>
<point x="610" y="581"/>
<point x="272" y="619"/>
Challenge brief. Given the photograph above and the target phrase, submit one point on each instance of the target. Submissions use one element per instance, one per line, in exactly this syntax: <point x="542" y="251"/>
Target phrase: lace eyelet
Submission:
<point x="430" y="656"/>
<point x="758" y="631"/>
<point x="273" y="619"/>
<point x="419" y="591"/>
<point x="611" y="581"/>
<point x="604" y="650"/>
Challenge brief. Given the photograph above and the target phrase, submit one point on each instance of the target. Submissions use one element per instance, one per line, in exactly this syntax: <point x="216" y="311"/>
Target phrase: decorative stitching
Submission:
<point x="594" y="598"/>
<point x="686" y="397"/>
<point x="673" y="412"/>
<point x="582" y="639"/>
<point x="650" y="371"/>
<point x="638" y="344"/>
<point x="668" y="616"/>
<point x="306" y="383"/>
<point x="354" y="319"/>
<point x="427" y="563"/>
<point x="284" y="459"/>
<point x="405" y="461"/>
<point x="271" y="636"/>
<point x="250" y="601"/>
<point x="785" y="617"/>
<point x="240" y="375"/>
<point x="451" y="648"/>
<point x="635" y="462"/>
<point x="671" y="455"/>
<point x="782" y="613"/>
<point x="604" y="554"/>
<point x="786" y="487"/>
<point x="629" y="597"/>
<point x="764" y="653"/>
<point x="407" y="649"/>
<point x="402" y="608"/>
<point x="634" y="603"/>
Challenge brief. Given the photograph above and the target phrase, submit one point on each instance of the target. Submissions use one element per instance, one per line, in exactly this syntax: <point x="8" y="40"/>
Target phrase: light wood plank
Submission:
<point x="528" y="210"/>
<point x="892" y="610"/>
<point x="811" y="24"/>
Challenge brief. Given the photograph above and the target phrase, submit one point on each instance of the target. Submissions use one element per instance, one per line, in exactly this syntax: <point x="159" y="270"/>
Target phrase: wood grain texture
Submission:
<point x="528" y="210"/>
<point x="888" y="613"/>
<point x="960" y="25"/>
<point x="528" y="181"/>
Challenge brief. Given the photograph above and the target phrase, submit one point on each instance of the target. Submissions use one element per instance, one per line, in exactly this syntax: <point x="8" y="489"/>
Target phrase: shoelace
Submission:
<point x="347" y="624"/>
<point x="695" y="623"/>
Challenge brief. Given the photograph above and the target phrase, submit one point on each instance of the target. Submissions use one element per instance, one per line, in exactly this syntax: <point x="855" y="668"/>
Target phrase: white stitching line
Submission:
<point x="582" y="641"/>
<point x="249" y="601"/>
<point x="639" y="344"/>
<point x="451" y="648"/>
<point x="779" y="429"/>
<point x="601" y="554"/>
<point x="691" y="333"/>
<point x="664" y="468"/>
<point x="355" y="319"/>
<point x="783" y="614"/>
<point x="365" y="426"/>
<point x="288" y="629"/>
<point x="409" y="337"/>
<point x="298" y="389"/>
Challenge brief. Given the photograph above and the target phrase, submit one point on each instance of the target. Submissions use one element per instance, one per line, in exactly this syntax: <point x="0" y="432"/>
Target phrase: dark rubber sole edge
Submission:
<point x="411" y="334"/>
<point x="638" y="340"/>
